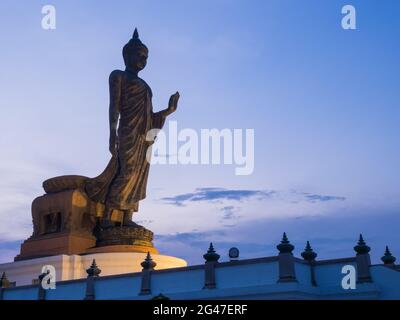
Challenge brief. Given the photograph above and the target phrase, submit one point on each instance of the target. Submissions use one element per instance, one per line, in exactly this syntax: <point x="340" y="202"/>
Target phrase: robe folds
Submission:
<point x="123" y="183"/>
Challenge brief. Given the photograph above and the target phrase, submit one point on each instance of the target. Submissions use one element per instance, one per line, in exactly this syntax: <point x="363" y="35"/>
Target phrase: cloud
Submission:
<point x="331" y="236"/>
<point x="144" y="222"/>
<point x="318" y="197"/>
<point x="229" y="212"/>
<point x="216" y="194"/>
<point x="211" y="194"/>
<point x="192" y="237"/>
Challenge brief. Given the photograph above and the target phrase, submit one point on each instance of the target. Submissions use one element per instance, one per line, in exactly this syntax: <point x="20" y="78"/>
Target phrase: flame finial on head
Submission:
<point x="135" y="34"/>
<point x="135" y="41"/>
<point x="133" y="45"/>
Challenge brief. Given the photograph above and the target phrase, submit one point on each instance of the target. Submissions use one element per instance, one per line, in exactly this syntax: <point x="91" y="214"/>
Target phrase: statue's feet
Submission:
<point x="105" y="224"/>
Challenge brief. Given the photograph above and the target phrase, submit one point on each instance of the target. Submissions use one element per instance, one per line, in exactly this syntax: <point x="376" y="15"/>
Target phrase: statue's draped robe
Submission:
<point x="123" y="183"/>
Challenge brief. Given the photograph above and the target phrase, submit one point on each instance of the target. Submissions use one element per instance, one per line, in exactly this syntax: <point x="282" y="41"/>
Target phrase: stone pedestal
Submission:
<point x="50" y="245"/>
<point x="67" y="235"/>
<point x="66" y="223"/>
<point x="70" y="267"/>
<point x="63" y="223"/>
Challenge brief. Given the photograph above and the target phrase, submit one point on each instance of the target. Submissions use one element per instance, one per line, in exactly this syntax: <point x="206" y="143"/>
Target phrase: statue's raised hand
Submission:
<point x="173" y="102"/>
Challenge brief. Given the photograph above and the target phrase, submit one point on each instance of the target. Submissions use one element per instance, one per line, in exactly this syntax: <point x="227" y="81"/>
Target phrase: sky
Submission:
<point x="323" y="103"/>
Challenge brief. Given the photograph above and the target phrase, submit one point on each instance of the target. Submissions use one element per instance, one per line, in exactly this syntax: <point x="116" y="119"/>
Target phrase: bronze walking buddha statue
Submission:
<point x="123" y="183"/>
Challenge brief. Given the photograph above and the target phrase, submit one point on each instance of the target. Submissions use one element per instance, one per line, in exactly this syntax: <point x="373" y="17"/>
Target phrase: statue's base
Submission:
<point x="122" y="248"/>
<point x="134" y="235"/>
<point x="66" y="222"/>
<point x="55" y="244"/>
<point x="70" y="267"/>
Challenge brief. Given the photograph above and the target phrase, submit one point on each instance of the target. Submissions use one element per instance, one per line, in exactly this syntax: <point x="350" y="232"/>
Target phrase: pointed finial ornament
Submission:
<point x="148" y="263"/>
<point x="211" y="255"/>
<point x="388" y="258"/>
<point x="308" y="254"/>
<point x="135" y="34"/>
<point x="285" y="246"/>
<point x="93" y="271"/>
<point x="4" y="283"/>
<point x="361" y="247"/>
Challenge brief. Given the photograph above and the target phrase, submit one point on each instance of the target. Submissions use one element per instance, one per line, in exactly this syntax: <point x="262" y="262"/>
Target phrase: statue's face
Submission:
<point x="138" y="59"/>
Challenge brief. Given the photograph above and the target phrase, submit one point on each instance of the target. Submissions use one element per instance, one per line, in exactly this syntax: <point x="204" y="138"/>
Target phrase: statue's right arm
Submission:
<point x="115" y="99"/>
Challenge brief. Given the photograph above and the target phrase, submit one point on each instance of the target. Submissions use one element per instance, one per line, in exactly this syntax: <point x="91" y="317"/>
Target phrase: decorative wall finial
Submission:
<point x="388" y="258"/>
<point x="285" y="246"/>
<point x="308" y="254"/>
<point x="361" y="247"/>
<point x="93" y="271"/>
<point x="211" y="255"/>
<point x="148" y="263"/>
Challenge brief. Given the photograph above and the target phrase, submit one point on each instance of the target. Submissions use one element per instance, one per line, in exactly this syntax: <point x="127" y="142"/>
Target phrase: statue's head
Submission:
<point x="135" y="53"/>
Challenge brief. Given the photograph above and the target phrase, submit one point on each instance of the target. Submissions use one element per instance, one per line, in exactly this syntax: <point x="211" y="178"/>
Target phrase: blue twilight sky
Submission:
<point x="323" y="101"/>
